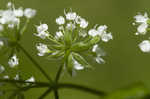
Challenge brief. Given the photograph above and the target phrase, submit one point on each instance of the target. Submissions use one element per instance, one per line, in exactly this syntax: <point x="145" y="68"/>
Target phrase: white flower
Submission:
<point x="1" y="28"/>
<point x="31" y="79"/>
<point x="42" y="31"/>
<point x="60" y="20"/>
<point x="8" y="17"/>
<point x="106" y="37"/>
<point x="83" y="23"/>
<point x="94" y="48"/>
<point x="18" y="12"/>
<point x="93" y="32"/>
<point x="101" y="29"/>
<point x="42" y="48"/>
<point x="145" y="46"/>
<point x="71" y="16"/>
<point x="42" y="27"/>
<point x="78" y="19"/>
<point x="78" y="66"/>
<point x="29" y="13"/>
<point x="59" y="34"/>
<point x="9" y="4"/>
<point x="2" y="69"/>
<point x="142" y="29"/>
<point x="141" y="18"/>
<point x="13" y="61"/>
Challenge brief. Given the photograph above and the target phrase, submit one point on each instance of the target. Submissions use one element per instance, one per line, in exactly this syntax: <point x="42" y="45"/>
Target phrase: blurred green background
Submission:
<point x="125" y="63"/>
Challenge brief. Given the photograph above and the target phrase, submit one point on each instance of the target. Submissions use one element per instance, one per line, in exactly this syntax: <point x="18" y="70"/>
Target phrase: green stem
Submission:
<point x="58" y="86"/>
<point x="59" y="73"/>
<point x="82" y="88"/>
<point x="35" y="63"/>
<point x="38" y="84"/>
<point x="45" y="93"/>
<point x="56" y="94"/>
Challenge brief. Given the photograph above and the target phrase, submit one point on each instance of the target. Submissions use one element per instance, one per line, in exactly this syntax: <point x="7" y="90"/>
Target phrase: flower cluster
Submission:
<point x="72" y="40"/>
<point x="143" y="22"/>
<point x="11" y="28"/>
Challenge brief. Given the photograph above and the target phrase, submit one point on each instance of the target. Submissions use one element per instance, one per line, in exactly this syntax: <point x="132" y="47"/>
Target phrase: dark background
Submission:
<point x="125" y="63"/>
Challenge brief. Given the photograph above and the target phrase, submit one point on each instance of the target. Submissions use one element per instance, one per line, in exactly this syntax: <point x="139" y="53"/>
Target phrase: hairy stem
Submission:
<point x="82" y="88"/>
<point x="35" y="63"/>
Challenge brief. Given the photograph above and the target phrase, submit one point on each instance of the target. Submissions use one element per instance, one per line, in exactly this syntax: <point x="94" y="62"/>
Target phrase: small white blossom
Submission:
<point x="8" y="17"/>
<point x="18" y="12"/>
<point x="141" y="18"/>
<point x="142" y="22"/>
<point x="83" y="23"/>
<point x="145" y="46"/>
<point x="42" y="31"/>
<point x="106" y="37"/>
<point x="31" y="79"/>
<point x="2" y="69"/>
<point x="9" y="4"/>
<point x="60" y="20"/>
<point x="71" y="16"/>
<point x="13" y="61"/>
<point x="78" y="19"/>
<point x="59" y="34"/>
<point x="101" y="29"/>
<point x="142" y="29"/>
<point x="78" y="66"/>
<point x="42" y="27"/>
<point x="94" y="48"/>
<point x="93" y="32"/>
<point x="42" y="48"/>
<point x="29" y="13"/>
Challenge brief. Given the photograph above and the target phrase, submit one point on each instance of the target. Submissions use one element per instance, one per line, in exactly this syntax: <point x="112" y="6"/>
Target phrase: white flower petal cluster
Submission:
<point x="42" y="48"/>
<point x="42" y="31"/>
<point x="99" y="54"/>
<point x="141" y="20"/>
<point x="102" y="32"/>
<point x="11" y="16"/>
<point x="13" y="61"/>
<point x="71" y="38"/>
<point x="60" y="20"/>
<point x="145" y="46"/>
<point x="73" y="19"/>
<point x="29" y="13"/>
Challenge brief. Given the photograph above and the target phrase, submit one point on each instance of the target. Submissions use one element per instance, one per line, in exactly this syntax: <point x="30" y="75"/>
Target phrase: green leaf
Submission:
<point x="81" y="60"/>
<point x="68" y="38"/>
<point x="70" y="64"/>
<point x="137" y="91"/>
